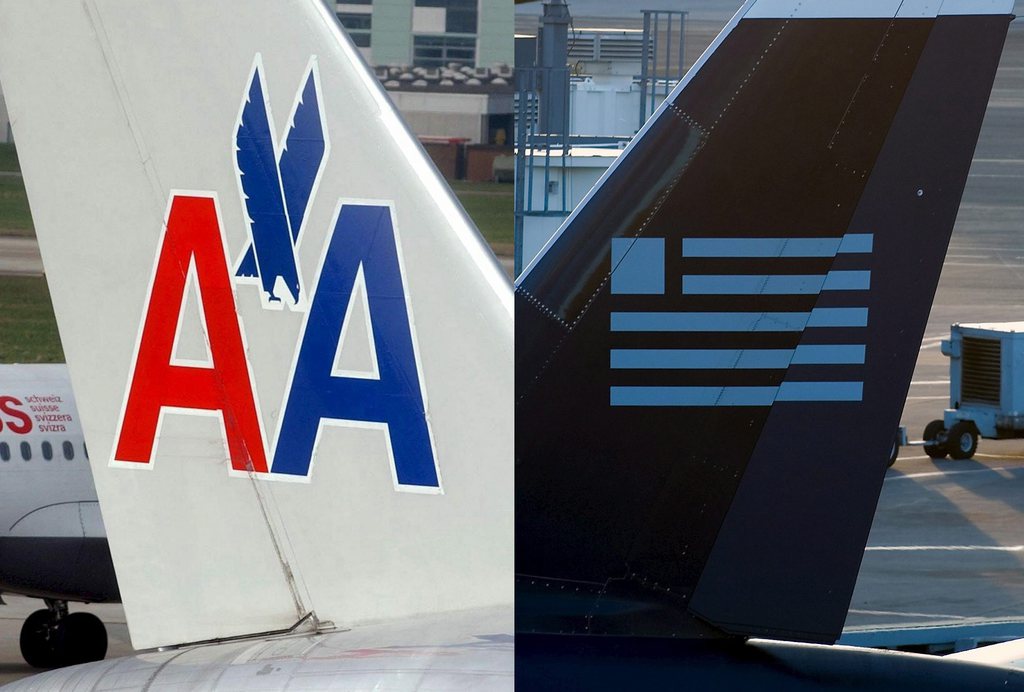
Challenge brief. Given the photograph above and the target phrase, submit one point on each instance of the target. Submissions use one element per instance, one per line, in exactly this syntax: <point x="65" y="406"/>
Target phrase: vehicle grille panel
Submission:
<point x="982" y="365"/>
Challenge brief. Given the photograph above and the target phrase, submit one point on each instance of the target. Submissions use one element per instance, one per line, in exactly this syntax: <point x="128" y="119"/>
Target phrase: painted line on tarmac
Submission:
<point x="937" y="616"/>
<point x="946" y="548"/>
<point x="930" y="474"/>
<point x="923" y="382"/>
<point x="928" y="398"/>
<point x="1000" y="263"/>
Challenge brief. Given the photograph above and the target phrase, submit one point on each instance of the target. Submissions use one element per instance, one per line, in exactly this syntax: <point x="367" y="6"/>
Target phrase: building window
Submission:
<point x="26" y="451"/>
<point x="460" y="16"/>
<point x="5" y="451"/>
<point x="438" y="51"/>
<point x="356" y="22"/>
<point x="69" y="450"/>
<point x="47" y="450"/>
<point x="358" y="25"/>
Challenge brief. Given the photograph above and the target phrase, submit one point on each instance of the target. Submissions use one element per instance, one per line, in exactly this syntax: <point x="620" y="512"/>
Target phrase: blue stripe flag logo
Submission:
<point x="639" y="269"/>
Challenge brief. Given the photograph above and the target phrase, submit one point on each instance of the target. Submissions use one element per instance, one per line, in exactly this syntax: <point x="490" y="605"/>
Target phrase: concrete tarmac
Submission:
<point x="12" y="615"/>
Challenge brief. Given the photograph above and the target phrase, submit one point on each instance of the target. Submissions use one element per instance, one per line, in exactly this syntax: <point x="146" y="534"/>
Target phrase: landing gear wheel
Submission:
<point x="81" y="638"/>
<point x="37" y="641"/>
<point x="933" y="432"/>
<point x="962" y="441"/>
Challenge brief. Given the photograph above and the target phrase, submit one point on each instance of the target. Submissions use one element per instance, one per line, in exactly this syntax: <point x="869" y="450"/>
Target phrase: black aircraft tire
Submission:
<point x="931" y="432"/>
<point x="962" y="441"/>
<point x="894" y="453"/>
<point x="81" y="638"/>
<point x="36" y="645"/>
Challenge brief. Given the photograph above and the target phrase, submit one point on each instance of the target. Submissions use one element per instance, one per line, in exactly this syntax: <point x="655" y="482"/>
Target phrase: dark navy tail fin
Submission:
<point x="713" y="353"/>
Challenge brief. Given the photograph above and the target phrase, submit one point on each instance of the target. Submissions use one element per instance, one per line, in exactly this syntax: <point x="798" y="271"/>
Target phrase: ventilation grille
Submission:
<point x="981" y="374"/>
<point x="609" y="46"/>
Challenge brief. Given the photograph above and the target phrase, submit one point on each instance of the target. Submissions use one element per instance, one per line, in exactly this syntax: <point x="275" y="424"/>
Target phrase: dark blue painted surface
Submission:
<point x="363" y="239"/>
<point x="277" y="192"/>
<point x="744" y="495"/>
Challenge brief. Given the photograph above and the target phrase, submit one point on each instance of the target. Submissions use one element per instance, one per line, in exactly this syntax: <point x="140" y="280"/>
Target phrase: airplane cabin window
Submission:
<point x="47" y="450"/>
<point x="5" y="451"/>
<point x="26" y="451"/>
<point x="69" y="450"/>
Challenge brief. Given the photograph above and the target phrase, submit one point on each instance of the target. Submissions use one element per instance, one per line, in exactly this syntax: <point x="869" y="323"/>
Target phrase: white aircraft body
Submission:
<point x="291" y="350"/>
<point x="52" y="542"/>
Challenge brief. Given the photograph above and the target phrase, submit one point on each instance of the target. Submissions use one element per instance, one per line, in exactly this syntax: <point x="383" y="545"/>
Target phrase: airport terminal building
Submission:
<point x="444" y="62"/>
<point x="430" y="33"/>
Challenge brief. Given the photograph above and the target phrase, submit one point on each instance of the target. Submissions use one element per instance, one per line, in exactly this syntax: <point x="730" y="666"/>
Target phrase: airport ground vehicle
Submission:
<point x="986" y="389"/>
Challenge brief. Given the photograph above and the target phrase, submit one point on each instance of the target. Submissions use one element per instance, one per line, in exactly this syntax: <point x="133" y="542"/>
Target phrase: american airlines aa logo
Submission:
<point x="360" y="277"/>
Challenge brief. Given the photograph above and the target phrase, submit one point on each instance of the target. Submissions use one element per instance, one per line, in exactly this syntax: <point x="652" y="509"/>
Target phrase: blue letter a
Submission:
<point x="362" y="245"/>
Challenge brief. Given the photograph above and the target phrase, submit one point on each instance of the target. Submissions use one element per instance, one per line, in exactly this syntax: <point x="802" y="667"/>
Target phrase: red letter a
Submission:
<point x="193" y="235"/>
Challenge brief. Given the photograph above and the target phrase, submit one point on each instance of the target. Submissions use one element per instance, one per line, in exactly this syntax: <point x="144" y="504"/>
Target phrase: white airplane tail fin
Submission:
<point x="292" y="352"/>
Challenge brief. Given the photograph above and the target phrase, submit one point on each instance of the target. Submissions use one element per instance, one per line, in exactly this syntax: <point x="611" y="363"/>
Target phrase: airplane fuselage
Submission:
<point x="52" y="541"/>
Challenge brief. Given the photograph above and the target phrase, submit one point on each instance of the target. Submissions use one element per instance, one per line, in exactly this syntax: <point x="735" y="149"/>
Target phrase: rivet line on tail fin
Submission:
<point x="544" y="309"/>
<point x="686" y="118"/>
<point x="860" y="85"/>
<point x="523" y="391"/>
<point x="746" y="79"/>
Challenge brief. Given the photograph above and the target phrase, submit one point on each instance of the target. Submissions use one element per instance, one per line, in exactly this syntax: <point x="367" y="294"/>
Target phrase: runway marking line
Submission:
<point x="938" y="616"/>
<point x="946" y="548"/>
<point x="928" y="474"/>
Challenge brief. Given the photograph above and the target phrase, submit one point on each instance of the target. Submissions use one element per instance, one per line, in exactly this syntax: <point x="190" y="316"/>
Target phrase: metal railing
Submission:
<point x="661" y="67"/>
<point x="542" y="145"/>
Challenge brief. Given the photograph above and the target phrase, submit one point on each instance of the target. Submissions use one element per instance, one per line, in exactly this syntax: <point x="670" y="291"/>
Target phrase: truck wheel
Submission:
<point x="932" y="432"/>
<point x="962" y="440"/>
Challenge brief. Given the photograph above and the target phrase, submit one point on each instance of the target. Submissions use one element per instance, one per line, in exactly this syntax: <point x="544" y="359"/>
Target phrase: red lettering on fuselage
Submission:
<point x="18" y="422"/>
<point x="192" y="236"/>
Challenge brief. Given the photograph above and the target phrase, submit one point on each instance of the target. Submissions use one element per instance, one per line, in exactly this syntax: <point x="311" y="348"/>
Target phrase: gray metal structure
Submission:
<point x="664" y="41"/>
<point x="536" y="142"/>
